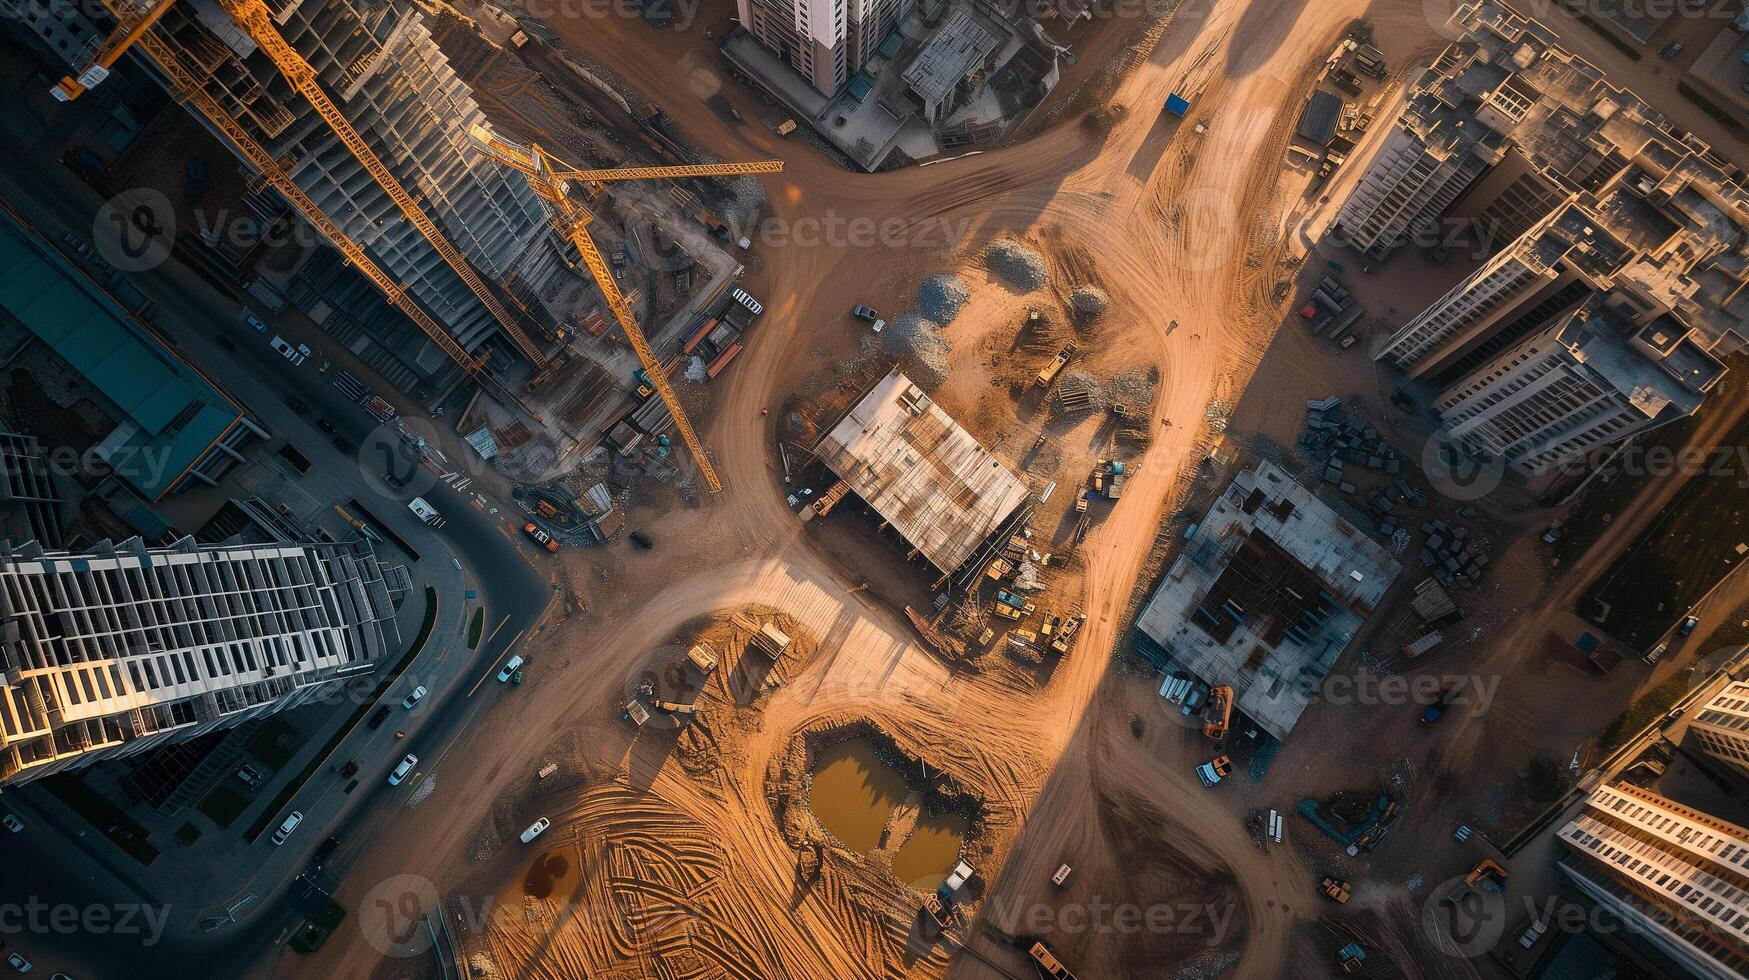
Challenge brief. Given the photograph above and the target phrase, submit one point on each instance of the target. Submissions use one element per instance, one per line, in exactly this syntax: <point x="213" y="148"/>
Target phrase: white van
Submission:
<point x="536" y="829"/>
<point x="285" y="829"/>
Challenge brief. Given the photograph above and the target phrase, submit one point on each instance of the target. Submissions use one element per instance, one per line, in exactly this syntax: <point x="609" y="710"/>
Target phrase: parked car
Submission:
<point x="377" y="716"/>
<point x="401" y="771"/>
<point x="642" y="540"/>
<point x="1436" y="710"/>
<point x="412" y="699"/>
<point x="75" y="243"/>
<point x="511" y="666"/>
<point x="325" y="425"/>
<point x="536" y="829"/>
<point x="12" y="822"/>
<point x="864" y="313"/>
<point x="287" y="826"/>
<point x="324" y="852"/>
<point x="1671" y="50"/>
<point x="250" y="776"/>
<point x="1657" y="651"/>
<point x="296" y="404"/>
<point x="539" y="535"/>
<point x="1688" y="625"/>
<point x="250" y="318"/>
<point x="19" y="963"/>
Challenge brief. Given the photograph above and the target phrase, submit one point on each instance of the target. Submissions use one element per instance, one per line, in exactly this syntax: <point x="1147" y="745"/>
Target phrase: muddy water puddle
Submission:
<point x="854" y="793"/>
<point x="930" y="852"/>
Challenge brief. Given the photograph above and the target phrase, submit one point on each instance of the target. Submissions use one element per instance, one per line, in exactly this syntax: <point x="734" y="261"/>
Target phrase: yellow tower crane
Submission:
<point x="185" y="85"/>
<point x="131" y="24"/>
<point x="256" y="21"/>
<point x="548" y="176"/>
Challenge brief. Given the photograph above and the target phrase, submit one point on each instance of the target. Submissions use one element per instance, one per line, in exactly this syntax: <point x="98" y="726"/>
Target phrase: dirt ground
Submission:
<point x="666" y="856"/>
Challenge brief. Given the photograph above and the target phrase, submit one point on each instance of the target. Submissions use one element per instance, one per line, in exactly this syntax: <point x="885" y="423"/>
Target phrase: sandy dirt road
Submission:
<point x="1183" y="227"/>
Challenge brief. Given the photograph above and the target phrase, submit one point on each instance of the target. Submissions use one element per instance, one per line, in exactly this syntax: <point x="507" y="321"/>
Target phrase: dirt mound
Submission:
<point x="1100" y="122"/>
<point x="917" y="341"/>
<point x="1015" y="265"/>
<point x="940" y="297"/>
<point x="1089" y="302"/>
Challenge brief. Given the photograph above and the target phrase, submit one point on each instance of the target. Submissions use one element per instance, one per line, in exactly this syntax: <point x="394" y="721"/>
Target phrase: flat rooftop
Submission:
<point x="167" y="414"/>
<point x="923" y="474"/>
<point x="1267" y="594"/>
<point x="960" y="45"/>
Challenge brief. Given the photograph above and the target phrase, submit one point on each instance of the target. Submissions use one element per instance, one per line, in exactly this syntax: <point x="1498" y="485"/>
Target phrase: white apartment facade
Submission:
<point x="125" y="647"/>
<point x="1722" y="726"/>
<point x="1408" y="182"/>
<point x="825" y="41"/>
<point x="1675" y="876"/>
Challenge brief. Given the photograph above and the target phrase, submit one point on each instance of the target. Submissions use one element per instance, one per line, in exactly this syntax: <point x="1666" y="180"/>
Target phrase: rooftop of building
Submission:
<point x="957" y="47"/>
<point x="166" y="414"/>
<point x="1267" y="594"/>
<point x="921" y="472"/>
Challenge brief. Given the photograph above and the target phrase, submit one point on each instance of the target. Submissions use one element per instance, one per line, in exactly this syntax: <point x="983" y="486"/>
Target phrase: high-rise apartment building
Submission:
<point x="1614" y="275"/>
<point x="1721" y="727"/>
<point x="825" y="41"/>
<point x="378" y="63"/>
<point x="1675" y="876"/>
<point x="122" y="647"/>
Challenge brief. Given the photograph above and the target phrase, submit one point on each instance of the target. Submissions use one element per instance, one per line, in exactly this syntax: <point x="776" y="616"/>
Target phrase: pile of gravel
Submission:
<point x="940" y="297"/>
<point x="1016" y="265"/>
<point x="1090" y="302"/>
<point x="918" y="342"/>
<point x="1130" y="389"/>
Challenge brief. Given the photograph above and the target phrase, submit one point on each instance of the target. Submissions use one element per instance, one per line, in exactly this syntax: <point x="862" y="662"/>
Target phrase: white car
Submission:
<point x="403" y="769"/>
<point x="19" y="963"/>
<point x="510" y="668"/>
<point x="536" y="829"/>
<point x="286" y="828"/>
<point x="12" y="823"/>
<point x="412" y="699"/>
<point x="293" y="354"/>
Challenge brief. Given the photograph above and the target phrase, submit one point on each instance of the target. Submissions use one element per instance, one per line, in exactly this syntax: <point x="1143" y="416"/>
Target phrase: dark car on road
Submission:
<point x="324" y="852"/>
<point x="296" y="404"/>
<point x="325" y="426"/>
<point x="377" y="716"/>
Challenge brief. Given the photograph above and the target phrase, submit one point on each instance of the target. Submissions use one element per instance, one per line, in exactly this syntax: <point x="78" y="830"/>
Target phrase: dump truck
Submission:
<point x="1048" y="373"/>
<point x="1334" y="889"/>
<point x="1046" y="960"/>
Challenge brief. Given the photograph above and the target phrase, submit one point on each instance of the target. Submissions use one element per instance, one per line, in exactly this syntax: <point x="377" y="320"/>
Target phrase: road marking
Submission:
<point x="493" y="667"/>
<point x="500" y="626"/>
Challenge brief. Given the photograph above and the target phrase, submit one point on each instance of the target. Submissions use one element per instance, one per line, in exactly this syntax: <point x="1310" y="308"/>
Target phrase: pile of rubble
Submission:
<point x="919" y="342"/>
<point x="1090" y="303"/>
<point x="940" y="297"/>
<point x="1016" y="265"/>
<point x="1131" y="389"/>
<point x="1078" y="391"/>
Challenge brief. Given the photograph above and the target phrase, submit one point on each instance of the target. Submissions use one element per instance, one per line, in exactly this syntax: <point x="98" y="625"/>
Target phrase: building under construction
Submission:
<point x="379" y="66"/>
<point x="946" y="495"/>
<point x="1269" y="590"/>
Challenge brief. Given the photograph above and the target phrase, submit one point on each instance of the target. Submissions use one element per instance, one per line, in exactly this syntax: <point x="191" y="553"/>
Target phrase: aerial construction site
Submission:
<point x="1090" y="492"/>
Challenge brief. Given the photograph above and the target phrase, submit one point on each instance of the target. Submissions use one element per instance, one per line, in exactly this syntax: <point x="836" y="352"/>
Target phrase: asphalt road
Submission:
<point x="54" y="867"/>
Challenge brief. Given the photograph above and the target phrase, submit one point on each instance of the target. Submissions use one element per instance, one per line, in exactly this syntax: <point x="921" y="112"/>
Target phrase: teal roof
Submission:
<point x="176" y="414"/>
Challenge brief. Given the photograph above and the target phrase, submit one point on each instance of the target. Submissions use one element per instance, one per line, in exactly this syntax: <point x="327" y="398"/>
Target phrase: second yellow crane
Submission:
<point x="548" y="177"/>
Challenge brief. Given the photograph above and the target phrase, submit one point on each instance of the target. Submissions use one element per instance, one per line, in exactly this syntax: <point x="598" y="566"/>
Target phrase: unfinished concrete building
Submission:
<point x="120" y="648"/>
<point x="1270" y="589"/>
<point x="946" y="495"/>
<point x="1621" y="276"/>
<point x="378" y="63"/>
